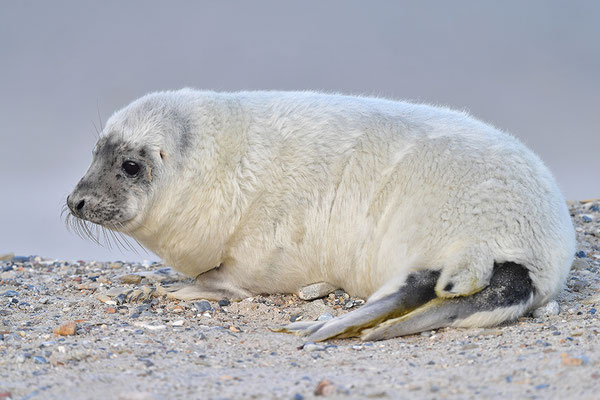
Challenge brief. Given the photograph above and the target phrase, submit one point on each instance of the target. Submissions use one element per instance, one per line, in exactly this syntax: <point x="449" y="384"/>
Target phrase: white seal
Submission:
<point x="438" y="218"/>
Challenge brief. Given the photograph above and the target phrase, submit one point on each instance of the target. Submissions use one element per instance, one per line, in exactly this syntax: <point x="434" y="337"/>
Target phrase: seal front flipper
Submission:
<point x="211" y="285"/>
<point x="508" y="295"/>
<point x="417" y="289"/>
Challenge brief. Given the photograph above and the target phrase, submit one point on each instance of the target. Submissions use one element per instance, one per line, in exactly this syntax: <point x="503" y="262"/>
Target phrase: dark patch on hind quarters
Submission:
<point x="418" y="289"/>
<point x="510" y="285"/>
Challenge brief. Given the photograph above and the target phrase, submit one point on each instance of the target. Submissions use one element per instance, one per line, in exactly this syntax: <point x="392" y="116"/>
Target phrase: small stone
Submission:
<point x="581" y="254"/>
<point x="295" y="317"/>
<point x="324" y="388"/>
<point x="578" y="285"/>
<point x="325" y="317"/>
<point x="233" y="328"/>
<point x="580" y="264"/>
<point x="203" y="306"/>
<point x="20" y="259"/>
<point x="106" y="300"/>
<point x="131" y="278"/>
<point x="148" y="326"/>
<point x="110" y="310"/>
<point x="491" y="332"/>
<point x="587" y="218"/>
<point x="550" y="309"/>
<point x="570" y="361"/>
<point x="67" y="329"/>
<point x="298" y="396"/>
<point x="7" y="256"/>
<point x="224" y="302"/>
<point x="311" y="346"/>
<point x="315" y="291"/>
<point x="180" y="322"/>
<point x="39" y="360"/>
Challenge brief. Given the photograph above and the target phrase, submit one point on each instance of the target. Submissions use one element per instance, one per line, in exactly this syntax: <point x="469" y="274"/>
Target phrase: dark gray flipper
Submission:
<point x="417" y="290"/>
<point x="508" y="295"/>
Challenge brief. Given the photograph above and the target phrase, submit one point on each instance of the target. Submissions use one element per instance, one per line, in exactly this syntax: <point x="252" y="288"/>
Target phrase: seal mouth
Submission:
<point x="106" y="235"/>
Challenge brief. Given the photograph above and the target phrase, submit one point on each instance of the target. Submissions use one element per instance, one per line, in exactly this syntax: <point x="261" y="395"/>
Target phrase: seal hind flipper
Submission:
<point x="417" y="290"/>
<point x="414" y="308"/>
<point x="508" y="295"/>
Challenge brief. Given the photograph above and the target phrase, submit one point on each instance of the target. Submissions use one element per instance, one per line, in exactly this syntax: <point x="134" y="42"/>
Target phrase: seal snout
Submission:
<point x="76" y="205"/>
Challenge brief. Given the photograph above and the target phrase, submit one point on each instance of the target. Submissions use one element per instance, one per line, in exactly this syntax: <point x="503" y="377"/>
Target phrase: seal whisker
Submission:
<point x="116" y="230"/>
<point x="99" y="117"/>
<point x="97" y="135"/>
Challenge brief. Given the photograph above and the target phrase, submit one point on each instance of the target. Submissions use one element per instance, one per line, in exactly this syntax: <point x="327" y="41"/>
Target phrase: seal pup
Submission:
<point x="438" y="218"/>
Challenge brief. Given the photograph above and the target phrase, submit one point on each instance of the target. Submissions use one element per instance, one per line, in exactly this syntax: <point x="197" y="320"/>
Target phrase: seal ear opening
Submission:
<point x="162" y="155"/>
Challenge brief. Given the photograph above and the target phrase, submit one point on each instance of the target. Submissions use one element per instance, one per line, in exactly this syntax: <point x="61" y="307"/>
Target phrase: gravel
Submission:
<point x="96" y="330"/>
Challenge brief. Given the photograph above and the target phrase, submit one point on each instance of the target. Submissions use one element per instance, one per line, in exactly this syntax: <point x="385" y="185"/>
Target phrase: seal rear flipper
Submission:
<point x="508" y="296"/>
<point x="417" y="289"/>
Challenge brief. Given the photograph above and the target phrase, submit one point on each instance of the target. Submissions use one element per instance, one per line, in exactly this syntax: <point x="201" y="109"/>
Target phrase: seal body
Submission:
<point x="267" y="192"/>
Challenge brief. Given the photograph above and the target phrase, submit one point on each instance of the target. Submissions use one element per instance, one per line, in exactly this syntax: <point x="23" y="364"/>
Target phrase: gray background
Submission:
<point x="529" y="67"/>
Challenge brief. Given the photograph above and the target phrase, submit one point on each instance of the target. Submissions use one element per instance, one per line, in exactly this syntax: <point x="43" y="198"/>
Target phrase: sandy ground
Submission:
<point x="63" y="337"/>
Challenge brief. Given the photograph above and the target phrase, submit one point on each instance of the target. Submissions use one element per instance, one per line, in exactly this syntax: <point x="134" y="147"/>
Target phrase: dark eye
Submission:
<point x="131" y="168"/>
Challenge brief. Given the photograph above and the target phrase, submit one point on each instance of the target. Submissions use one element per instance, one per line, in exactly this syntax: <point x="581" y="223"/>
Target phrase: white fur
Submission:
<point x="284" y="189"/>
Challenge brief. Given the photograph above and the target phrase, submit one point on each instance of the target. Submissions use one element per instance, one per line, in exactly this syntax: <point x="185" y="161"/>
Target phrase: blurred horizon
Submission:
<point x="529" y="68"/>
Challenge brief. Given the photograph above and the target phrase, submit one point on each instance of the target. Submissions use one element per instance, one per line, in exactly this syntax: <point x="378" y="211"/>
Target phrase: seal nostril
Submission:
<point x="80" y="204"/>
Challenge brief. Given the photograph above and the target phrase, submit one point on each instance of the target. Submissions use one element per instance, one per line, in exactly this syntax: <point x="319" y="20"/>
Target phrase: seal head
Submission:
<point x="128" y="164"/>
<point x="117" y="184"/>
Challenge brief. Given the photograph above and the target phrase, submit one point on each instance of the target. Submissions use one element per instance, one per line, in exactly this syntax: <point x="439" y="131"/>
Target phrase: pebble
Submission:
<point x="224" y="302"/>
<point x="131" y="278"/>
<point x="587" y="218"/>
<point x="295" y="317"/>
<point x="579" y="264"/>
<point x="7" y="256"/>
<point x="149" y="326"/>
<point x="39" y="360"/>
<point x="68" y="329"/>
<point x="324" y="388"/>
<point x="578" y="285"/>
<point x="550" y="309"/>
<point x="315" y="291"/>
<point x="571" y="361"/>
<point x="10" y="293"/>
<point x="311" y="346"/>
<point x="325" y="317"/>
<point x="106" y="300"/>
<point x="203" y="306"/>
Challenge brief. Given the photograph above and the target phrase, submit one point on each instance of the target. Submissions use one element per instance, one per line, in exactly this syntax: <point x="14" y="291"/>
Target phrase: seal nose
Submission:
<point x="75" y="205"/>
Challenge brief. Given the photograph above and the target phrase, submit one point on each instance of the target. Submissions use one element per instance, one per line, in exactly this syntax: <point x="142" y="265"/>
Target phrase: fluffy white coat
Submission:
<point x="283" y="189"/>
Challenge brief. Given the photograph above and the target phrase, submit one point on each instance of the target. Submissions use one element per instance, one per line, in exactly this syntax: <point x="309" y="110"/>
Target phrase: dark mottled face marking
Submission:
<point x="116" y="185"/>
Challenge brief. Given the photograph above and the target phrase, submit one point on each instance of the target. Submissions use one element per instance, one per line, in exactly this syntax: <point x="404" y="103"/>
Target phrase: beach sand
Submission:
<point x="66" y="334"/>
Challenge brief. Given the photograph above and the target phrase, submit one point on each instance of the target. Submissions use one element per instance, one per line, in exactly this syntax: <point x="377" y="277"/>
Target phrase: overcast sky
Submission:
<point x="529" y="67"/>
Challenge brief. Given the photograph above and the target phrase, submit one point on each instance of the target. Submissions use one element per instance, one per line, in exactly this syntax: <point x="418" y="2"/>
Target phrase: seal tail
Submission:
<point x="414" y="308"/>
